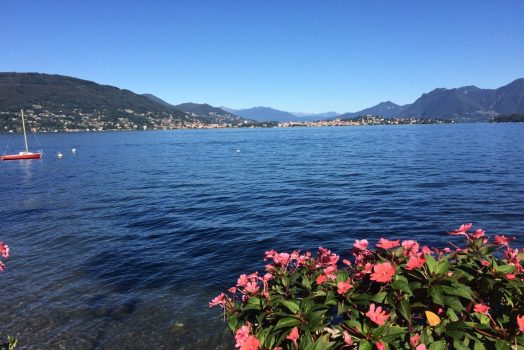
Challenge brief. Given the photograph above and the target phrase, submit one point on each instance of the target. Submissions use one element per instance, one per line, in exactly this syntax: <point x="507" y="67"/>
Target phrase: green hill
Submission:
<point x="56" y="102"/>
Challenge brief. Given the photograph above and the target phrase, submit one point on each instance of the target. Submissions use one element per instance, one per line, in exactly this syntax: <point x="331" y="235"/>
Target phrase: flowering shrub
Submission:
<point x="6" y="342"/>
<point x="4" y="252"/>
<point x="398" y="296"/>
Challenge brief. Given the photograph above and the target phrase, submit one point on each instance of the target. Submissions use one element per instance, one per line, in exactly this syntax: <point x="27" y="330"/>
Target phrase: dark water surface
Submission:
<point x="122" y="245"/>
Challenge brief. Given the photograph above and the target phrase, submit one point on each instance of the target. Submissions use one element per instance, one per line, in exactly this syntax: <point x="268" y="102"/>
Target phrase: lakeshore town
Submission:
<point x="46" y="121"/>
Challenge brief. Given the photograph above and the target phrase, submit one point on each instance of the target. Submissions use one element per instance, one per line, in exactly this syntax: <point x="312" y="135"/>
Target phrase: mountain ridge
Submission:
<point x="203" y="110"/>
<point x="262" y="113"/>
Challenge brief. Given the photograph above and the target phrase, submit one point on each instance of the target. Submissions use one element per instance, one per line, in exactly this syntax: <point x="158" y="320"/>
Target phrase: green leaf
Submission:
<point x="253" y="303"/>
<point x="431" y="263"/>
<point x="379" y="297"/>
<point x="452" y="315"/>
<point x="364" y="345"/>
<point x="438" y="345"/>
<point x="505" y="269"/>
<point x="285" y="281"/>
<point x="405" y="309"/>
<point x="401" y="284"/>
<point x="436" y="294"/>
<point x="442" y="267"/>
<point x="232" y="322"/>
<point x="502" y="345"/>
<point x="391" y="333"/>
<point x="454" y="303"/>
<point x="316" y="319"/>
<point x="287" y="322"/>
<point x="323" y="343"/>
<point x="479" y="346"/>
<point x="460" y="290"/>
<point x="291" y="305"/>
<point x="458" y="345"/>
<point x="483" y="319"/>
<point x="306" y="282"/>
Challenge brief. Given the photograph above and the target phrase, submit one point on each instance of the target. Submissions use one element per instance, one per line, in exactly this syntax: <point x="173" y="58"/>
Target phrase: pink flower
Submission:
<point x="386" y="244"/>
<point x="379" y="345"/>
<point x="269" y="254"/>
<point x="232" y="290"/>
<point x="4" y="250"/>
<point x="421" y="347"/>
<point x="241" y="335"/>
<point x="343" y="287"/>
<point x="270" y="267"/>
<point x="293" y="336"/>
<point x="251" y="343"/>
<point x="510" y="276"/>
<point x="378" y="316"/>
<point x="520" y="321"/>
<point x="367" y="268"/>
<point x="252" y="287"/>
<point x="426" y="250"/>
<point x="502" y="240"/>
<point x="479" y="233"/>
<point x="219" y="300"/>
<point x="414" y="340"/>
<point x="484" y="263"/>
<point x="415" y="262"/>
<point x="242" y="280"/>
<point x="383" y="272"/>
<point x="461" y="230"/>
<point x="410" y="247"/>
<point x="267" y="277"/>
<point x="2" y="266"/>
<point x="361" y="244"/>
<point x="330" y="269"/>
<point x="347" y="338"/>
<point x="325" y="257"/>
<point x="320" y="279"/>
<point x="512" y="255"/>
<point x="481" y="308"/>
<point x="281" y="259"/>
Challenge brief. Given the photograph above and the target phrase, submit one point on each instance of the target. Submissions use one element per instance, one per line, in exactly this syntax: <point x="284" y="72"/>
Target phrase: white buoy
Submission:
<point x="73" y="150"/>
<point x="238" y="151"/>
<point x="59" y="155"/>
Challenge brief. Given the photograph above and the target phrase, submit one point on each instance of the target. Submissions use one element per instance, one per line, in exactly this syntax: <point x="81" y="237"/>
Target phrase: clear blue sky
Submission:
<point x="295" y="55"/>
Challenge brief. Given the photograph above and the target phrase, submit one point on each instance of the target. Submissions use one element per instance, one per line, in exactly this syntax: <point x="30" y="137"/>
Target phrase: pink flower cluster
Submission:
<point x="4" y="251"/>
<point x="510" y="254"/>
<point x="244" y="340"/>
<point x="390" y="258"/>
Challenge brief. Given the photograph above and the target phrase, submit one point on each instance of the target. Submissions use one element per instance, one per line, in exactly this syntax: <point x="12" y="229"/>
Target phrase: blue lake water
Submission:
<point x="121" y="245"/>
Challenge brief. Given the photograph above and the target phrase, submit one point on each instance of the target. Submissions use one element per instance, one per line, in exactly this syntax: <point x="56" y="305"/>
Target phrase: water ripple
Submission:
<point x="121" y="245"/>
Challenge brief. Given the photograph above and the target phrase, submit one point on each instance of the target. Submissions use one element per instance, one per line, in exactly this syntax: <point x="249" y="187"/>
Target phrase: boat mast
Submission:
<point x="23" y="127"/>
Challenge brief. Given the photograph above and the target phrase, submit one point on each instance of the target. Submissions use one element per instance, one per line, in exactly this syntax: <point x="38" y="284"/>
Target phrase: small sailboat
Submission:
<point x="22" y="155"/>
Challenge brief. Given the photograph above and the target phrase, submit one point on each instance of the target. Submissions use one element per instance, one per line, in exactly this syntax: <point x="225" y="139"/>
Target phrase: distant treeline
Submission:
<point x="512" y="118"/>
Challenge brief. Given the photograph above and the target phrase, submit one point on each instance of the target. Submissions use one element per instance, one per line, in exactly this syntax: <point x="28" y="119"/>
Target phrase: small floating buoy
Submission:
<point x="238" y="151"/>
<point x="73" y="150"/>
<point x="59" y="155"/>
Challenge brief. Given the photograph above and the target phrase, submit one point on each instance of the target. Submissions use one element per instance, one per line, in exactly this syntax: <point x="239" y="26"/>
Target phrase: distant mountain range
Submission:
<point x="202" y="110"/>
<point x="270" y="114"/>
<point x="262" y="114"/>
<point x="61" y="101"/>
<point x="468" y="103"/>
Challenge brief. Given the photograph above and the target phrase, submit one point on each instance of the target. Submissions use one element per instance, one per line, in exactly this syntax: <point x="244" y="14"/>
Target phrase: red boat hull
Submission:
<point x="21" y="156"/>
